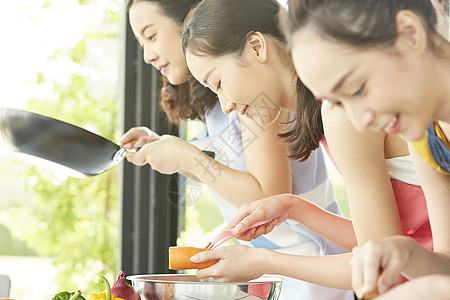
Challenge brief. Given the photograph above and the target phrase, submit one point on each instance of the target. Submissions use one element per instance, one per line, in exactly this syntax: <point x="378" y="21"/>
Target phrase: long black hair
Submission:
<point x="189" y="100"/>
<point x="220" y="27"/>
<point x="363" y="23"/>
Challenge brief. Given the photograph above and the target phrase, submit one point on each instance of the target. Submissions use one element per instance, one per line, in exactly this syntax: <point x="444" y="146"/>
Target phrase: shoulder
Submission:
<point x="341" y="135"/>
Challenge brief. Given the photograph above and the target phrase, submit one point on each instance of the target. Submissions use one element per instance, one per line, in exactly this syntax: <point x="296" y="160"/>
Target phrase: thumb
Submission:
<point x="204" y="256"/>
<point x="250" y="220"/>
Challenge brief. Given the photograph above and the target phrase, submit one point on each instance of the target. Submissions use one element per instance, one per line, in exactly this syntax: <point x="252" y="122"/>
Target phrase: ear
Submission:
<point x="256" y="46"/>
<point x="411" y="33"/>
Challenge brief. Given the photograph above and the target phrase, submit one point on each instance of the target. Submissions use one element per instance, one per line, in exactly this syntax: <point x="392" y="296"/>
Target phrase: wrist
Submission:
<point x="412" y="248"/>
<point x="189" y="158"/>
<point x="412" y="253"/>
<point x="294" y="206"/>
<point x="263" y="260"/>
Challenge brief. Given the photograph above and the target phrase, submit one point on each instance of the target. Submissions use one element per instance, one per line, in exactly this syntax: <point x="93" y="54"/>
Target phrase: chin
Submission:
<point x="177" y="80"/>
<point x="413" y="136"/>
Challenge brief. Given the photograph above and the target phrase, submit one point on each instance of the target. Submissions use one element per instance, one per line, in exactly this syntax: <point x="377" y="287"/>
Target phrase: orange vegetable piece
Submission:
<point x="179" y="258"/>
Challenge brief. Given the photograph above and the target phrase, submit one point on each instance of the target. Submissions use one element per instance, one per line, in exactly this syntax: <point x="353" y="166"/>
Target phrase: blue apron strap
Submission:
<point x="438" y="149"/>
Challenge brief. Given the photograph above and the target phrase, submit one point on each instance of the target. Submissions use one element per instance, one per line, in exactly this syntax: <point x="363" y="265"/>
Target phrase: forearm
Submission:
<point x="425" y="262"/>
<point x="237" y="187"/>
<point x="436" y="287"/>
<point x="189" y="175"/>
<point x="336" y="229"/>
<point x="330" y="270"/>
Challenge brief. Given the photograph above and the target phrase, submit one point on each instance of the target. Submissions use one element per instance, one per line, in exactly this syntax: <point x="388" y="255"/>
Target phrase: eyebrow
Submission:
<point x="145" y="27"/>
<point x="205" y="79"/>
<point x="341" y="81"/>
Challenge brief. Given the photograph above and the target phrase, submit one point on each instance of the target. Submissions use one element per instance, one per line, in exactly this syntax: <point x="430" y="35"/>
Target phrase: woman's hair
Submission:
<point x="189" y="100"/>
<point x="363" y="23"/>
<point x="221" y="27"/>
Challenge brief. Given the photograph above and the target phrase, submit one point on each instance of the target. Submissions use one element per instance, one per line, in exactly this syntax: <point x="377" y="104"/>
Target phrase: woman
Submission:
<point x="251" y="160"/>
<point x="394" y="71"/>
<point x="223" y="53"/>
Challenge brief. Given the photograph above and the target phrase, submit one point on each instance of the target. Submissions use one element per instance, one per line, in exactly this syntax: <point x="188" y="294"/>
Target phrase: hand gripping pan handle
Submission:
<point x="61" y="143"/>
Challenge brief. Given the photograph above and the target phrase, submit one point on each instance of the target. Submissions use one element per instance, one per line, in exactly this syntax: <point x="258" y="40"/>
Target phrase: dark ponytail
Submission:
<point x="307" y="127"/>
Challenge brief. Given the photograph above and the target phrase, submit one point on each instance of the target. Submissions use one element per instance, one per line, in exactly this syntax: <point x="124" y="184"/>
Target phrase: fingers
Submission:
<point x="370" y="268"/>
<point x="252" y="217"/>
<point x="240" y="216"/>
<point x="129" y="137"/>
<point x="204" y="273"/>
<point x="137" y="142"/>
<point x="425" y="287"/>
<point x="247" y="236"/>
<point x="213" y="271"/>
<point x="256" y="232"/>
<point x="391" y="272"/>
<point x="376" y="267"/>
<point x="365" y="265"/>
<point x="205" y="256"/>
<point x="357" y="275"/>
<point x="136" y="159"/>
<point x="137" y="137"/>
<point x="139" y="158"/>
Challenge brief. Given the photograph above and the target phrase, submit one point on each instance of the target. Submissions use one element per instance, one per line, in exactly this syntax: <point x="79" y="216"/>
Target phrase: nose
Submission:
<point x="226" y="105"/>
<point x="361" y="117"/>
<point x="150" y="55"/>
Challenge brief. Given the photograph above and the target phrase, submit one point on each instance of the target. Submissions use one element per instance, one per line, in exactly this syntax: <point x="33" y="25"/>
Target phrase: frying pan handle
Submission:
<point x="211" y="154"/>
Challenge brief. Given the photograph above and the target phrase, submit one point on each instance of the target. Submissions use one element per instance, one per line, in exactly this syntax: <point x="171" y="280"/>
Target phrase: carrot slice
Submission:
<point x="179" y="258"/>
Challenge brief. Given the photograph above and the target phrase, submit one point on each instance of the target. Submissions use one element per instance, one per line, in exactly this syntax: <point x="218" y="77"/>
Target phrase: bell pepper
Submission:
<point x="68" y="296"/>
<point x="102" y="295"/>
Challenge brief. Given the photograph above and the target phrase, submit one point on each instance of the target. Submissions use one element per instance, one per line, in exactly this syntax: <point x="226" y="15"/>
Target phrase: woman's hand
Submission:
<point x="167" y="155"/>
<point x="436" y="287"/>
<point x="276" y="208"/>
<point x="137" y="137"/>
<point x="236" y="263"/>
<point x="391" y="255"/>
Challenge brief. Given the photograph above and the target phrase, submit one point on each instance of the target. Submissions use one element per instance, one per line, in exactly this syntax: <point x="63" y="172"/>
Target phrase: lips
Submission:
<point x="393" y="127"/>
<point x="162" y="68"/>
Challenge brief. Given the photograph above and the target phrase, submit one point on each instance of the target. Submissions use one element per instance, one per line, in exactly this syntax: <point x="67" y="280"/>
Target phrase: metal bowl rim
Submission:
<point x="262" y="279"/>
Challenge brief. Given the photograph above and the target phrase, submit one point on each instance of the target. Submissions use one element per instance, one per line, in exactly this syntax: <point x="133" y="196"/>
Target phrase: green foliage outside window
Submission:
<point x="74" y="221"/>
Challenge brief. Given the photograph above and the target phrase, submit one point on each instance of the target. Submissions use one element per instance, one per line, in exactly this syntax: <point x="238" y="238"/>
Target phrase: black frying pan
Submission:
<point x="59" y="142"/>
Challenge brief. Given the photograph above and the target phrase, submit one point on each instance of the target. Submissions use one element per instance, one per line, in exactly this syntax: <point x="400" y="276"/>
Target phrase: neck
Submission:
<point x="282" y="65"/>
<point x="442" y="85"/>
<point x="288" y="79"/>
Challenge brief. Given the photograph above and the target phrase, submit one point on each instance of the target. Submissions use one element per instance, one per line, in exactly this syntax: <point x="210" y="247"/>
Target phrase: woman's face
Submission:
<point x="380" y="90"/>
<point x="245" y="86"/>
<point x="160" y="37"/>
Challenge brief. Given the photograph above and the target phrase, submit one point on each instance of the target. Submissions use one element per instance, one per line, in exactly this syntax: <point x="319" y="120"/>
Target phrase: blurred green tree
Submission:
<point x="75" y="221"/>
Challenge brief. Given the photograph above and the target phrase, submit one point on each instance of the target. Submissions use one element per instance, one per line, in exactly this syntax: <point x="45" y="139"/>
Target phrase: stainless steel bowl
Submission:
<point x="187" y="286"/>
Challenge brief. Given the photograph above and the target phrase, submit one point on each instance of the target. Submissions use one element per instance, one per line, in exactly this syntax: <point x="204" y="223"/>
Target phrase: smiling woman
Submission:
<point x="157" y="27"/>
<point x="388" y="66"/>
<point x="164" y="35"/>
